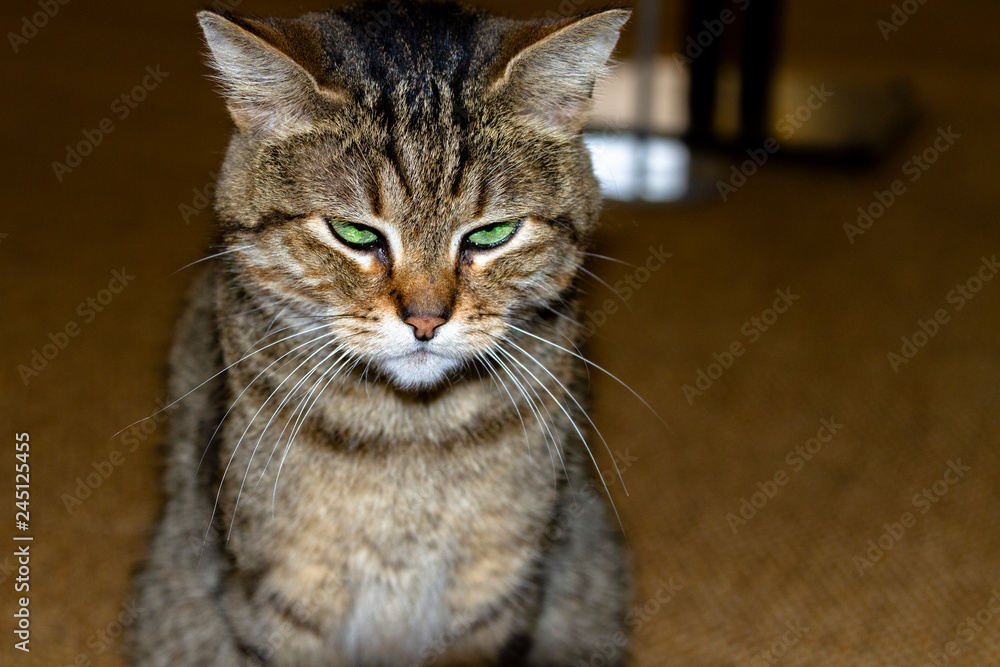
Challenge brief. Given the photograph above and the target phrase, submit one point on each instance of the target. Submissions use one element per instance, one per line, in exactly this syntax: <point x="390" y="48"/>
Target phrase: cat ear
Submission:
<point x="260" y="64"/>
<point x="552" y="79"/>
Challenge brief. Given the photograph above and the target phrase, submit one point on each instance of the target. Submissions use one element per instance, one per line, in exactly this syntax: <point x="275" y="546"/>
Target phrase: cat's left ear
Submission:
<point x="551" y="80"/>
<point x="269" y="70"/>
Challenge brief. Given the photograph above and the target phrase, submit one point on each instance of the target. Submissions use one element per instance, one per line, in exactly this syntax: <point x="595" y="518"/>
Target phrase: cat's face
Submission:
<point x="416" y="285"/>
<point x="420" y="204"/>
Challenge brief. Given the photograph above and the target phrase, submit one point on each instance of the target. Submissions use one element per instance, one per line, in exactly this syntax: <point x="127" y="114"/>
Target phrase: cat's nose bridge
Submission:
<point x="425" y="300"/>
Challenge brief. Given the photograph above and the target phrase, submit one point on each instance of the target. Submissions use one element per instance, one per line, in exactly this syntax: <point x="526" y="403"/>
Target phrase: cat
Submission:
<point x="377" y="453"/>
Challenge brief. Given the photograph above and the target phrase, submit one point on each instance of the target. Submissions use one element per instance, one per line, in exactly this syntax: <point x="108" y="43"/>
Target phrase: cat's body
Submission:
<point x="399" y="477"/>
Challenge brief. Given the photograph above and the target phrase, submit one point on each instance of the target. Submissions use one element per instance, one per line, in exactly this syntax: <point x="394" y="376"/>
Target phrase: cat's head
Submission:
<point x="411" y="173"/>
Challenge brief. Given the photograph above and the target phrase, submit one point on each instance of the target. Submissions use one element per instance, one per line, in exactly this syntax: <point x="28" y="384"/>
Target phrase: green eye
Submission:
<point x="353" y="234"/>
<point x="495" y="234"/>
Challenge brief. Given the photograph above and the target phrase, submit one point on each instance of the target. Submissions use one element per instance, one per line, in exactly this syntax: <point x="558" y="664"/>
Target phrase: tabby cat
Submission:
<point x="387" y="466"/>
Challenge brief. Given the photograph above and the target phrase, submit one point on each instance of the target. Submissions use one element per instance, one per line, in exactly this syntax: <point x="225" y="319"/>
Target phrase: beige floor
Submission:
<point x="787" y="580"/>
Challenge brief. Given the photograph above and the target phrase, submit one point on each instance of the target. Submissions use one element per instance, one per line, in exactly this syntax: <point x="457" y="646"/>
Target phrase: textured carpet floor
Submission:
<point x="817" y="503"/>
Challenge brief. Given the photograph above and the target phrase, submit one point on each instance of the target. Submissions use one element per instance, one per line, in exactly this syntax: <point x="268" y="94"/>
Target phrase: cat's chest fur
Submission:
<point x="383" y="553"/>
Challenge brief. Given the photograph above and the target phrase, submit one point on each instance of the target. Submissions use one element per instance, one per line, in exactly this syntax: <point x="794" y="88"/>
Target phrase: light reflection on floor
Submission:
<point x="654" y="169"/>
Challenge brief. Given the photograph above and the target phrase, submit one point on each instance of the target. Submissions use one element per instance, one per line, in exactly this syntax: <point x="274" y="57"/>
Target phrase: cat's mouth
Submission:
<point x="420" y="369"/>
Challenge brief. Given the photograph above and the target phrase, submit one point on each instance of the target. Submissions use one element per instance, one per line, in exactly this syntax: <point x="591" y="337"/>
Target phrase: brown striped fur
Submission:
<point x="346" y="491"/>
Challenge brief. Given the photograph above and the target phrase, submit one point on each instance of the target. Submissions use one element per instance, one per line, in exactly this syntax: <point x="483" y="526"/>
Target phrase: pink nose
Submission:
<point x="424" y="326"/>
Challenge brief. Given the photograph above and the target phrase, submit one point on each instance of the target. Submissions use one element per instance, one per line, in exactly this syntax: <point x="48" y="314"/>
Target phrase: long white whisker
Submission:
<point x="610" y="259"/>
<point x="579" y="407"/>
<point x="218" y="254"/>
<point x="225" y="472"/>
<point x="591" y="363"/>
<point x="558" y="333"/>
<point x="291" y="393"/>
<point x="202" y="384"/>
<point x="613" y="290"/>
<point x="301" y="422"/>
<point x="299" y="409"/>
<point x="575" y="427"/>
<point x="312" y="341"/>
<point x="288" y="395"/>
<point x="564" y="316"/>
<point x="266" y="335"/>
<point x="501" y="383"/>
<point x="547" y="434"/>
<point x="275" y="319"/>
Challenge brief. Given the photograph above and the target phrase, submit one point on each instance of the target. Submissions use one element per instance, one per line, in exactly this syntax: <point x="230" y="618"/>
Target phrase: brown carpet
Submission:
<point x="878" y="545"/>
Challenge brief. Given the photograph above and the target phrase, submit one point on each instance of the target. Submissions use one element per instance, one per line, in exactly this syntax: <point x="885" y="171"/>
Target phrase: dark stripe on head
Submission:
<point x="422" y="50"/>
<point x="463" y="158"/>
<point x="459" y="112"/>
<point x="482" y="198"/>
<point x="274" y="218"/>
<point x="384" y="109"/>
<point x="374" y="191"/>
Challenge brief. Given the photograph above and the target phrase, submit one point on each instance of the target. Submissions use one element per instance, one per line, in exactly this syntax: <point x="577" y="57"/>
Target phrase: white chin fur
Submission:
<point x="419" y="370"/>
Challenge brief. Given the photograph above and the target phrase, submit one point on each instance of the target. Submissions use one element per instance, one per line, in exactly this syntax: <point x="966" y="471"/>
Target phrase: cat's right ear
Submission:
<point x="550" y="81"/>
<point x="262" y="66"/>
